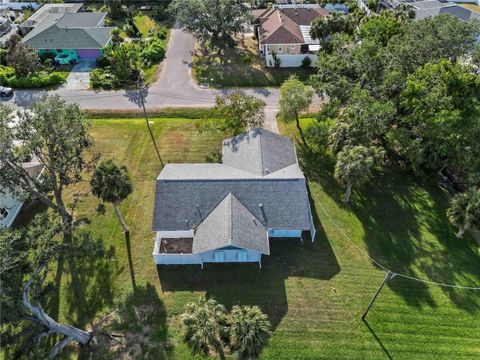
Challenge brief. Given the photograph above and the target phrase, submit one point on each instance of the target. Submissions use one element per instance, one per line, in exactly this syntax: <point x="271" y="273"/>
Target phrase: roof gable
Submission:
<point x="230" y="224"/>
<point x="259" y="152"/>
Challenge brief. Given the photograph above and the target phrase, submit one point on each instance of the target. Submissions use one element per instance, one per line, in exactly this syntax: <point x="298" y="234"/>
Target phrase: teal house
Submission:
<point x="70" y="36"/>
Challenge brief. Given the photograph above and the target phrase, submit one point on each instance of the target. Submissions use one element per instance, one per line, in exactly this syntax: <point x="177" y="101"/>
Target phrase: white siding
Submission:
<point x="12" y="206"/>
<point x="173" y="259"/>
<point x="285" y="233"/>
<point x="231" y="256"/>
<point x="175" y="234"/>
<point x="291" y="60"/>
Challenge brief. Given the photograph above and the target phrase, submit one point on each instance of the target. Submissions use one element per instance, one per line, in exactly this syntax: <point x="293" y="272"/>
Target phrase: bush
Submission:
<point x="103" y="79"/>
<point x="154" y="52"/>
<point x="103" y="61"/>
<point x="159" y="32"/>
<point x="160" y="13"/>
<point x="306" y="62"/>
<point x="246" y="58"/>
<point x="3" y="57"/>
<point x="37" y="80"/>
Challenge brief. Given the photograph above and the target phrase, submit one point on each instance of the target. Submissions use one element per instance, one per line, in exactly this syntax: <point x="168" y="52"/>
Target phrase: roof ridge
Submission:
<point x="260" y="137"/>
<point x="230" y="216"/>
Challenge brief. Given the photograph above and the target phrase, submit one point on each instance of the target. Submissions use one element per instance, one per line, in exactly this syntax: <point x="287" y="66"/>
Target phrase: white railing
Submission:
<point x="291" y="60"/>
<point x="173" y="259"/>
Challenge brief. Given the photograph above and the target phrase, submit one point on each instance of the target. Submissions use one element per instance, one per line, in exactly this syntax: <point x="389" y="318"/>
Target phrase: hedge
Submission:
<point x="40" y="79"/>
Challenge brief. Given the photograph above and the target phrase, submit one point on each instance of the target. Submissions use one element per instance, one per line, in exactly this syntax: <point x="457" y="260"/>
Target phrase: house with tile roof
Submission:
<point x="233" y="211"/>
<point x="283" y="33"/>
<point x="65" y="32"/>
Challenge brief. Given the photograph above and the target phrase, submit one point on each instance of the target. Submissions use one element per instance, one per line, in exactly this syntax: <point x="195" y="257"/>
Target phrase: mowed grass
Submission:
<point x="313" y="293"/>
<point x="144" y="24"/>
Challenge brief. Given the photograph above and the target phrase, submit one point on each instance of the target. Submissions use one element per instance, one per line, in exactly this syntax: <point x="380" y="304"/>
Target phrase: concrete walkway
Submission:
<point x="79" y="77"/>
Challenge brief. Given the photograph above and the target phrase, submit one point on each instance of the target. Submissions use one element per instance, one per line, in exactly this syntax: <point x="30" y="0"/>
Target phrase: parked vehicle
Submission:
<point x="5" y="91"/>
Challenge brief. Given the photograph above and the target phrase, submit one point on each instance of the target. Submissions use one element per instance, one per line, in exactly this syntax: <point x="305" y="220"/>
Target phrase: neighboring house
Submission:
<point x="47" y="9"/>
<point x="229" y="212"/>
<point x="284" y="32"/>
<point x="10" y="205"/>
<point x="430" y="8"/>
<point x="77" y="35"/>
<point x="7" y="30"/>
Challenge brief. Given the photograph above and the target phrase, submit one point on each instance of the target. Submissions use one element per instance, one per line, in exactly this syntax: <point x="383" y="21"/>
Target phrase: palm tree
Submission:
<point x="464" y="211"/>
<point x="355" y="165"/>
<point x="249" y="331"/>
<point x="205" y="327"/>
<point x="295" y="97"/>
<point x="111" y="183"/>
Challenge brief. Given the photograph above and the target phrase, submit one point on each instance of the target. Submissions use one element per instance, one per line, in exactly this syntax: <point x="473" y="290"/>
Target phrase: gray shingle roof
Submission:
<point x="69" y="31"/>
<point x="230" y="224"/>
<point x="186" y="194"/>
<point x="259" y="151"/>
<point x="285" y="202"/>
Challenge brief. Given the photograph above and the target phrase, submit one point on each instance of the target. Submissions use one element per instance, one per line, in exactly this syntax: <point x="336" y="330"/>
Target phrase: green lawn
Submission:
<point x="240" y="67"/>
<point x="144" y="24"/>
<point x="314" y="294"/>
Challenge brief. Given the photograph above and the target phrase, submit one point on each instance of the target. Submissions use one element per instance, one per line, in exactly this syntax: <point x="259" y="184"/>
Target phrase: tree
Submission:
<point x="380" y="28"/>
<point x="355" y="165"/>
<point x="235" y="113"/>
<point x="464" y="210"/>
<point x="336" y="22"/>
<point x="216" y="22"/>
<point x="249" y="331"/>
<point x="27" y="255"/>
<point x="295" y="97"/>
<point x="23" y="58"/>
<point x="111" y="183"/>
<point x="440" y="124"/>
<point x="115" y="8"/>
<point x="205" y="327"/>
<point x="125" y="61"/>
<point x="55" y="133"/>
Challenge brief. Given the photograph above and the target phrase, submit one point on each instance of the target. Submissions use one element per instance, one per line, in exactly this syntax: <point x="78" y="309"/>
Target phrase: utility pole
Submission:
<point x="388" y="276"/>
<point x="142" y="102"/>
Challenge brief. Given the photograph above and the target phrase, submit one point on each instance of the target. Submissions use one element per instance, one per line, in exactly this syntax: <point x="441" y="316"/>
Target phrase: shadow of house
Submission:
<point x="247" y="284"/>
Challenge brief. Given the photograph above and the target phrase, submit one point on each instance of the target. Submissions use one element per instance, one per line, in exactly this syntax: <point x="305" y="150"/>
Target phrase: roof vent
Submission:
<point x="267" y="171"/>
<point x="260" y="205"/>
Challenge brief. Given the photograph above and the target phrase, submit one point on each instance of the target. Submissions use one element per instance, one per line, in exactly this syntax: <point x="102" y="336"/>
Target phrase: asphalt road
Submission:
<point x="175" y="87"/>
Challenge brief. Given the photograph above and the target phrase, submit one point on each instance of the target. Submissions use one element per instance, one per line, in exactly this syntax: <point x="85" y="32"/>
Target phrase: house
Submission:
<point x="284" y="34"/>
<point x="38" y="16"/>
<point x="229" y="212"/>
<point x="67" y="33"/>
<point x="11" y="204"/>
<point x="430" y="8"/>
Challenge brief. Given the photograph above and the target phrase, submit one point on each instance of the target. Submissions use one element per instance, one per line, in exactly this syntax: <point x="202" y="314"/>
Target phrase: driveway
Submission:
<point x="79" y="77"/>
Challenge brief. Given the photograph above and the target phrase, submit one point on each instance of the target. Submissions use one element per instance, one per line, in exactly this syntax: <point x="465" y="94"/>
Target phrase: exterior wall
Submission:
<point x="284" y="49"/>
<point x="56" y="52"/>
<point x="12" y="206"/>
<point x="175" y="234"/>
<point x="231" y="256"/>
<point x="173" y="259"/>
<point x="284" y="233"/>
<point x="90" y="54"/>
<point x="291" y="60"/>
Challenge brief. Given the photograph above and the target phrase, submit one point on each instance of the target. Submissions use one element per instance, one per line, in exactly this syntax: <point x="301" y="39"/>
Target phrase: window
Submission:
<point x="219" y="256"/>
<point x="242" y="256"/>
<point x="279" y="48"/>
<point x="3" y="213"/>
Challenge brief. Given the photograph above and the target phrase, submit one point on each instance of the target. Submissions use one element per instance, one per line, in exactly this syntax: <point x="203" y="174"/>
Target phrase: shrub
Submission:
<point x="154" y="51"/>
<point x="246" y="58"/>
<point x="103" y="61"/>
<point x="159" y="32"/>
<point x="306" y="62"/>
<point x="3" y="57"/>
<point x="103" y="78"/>
<point x="40" y="79"/>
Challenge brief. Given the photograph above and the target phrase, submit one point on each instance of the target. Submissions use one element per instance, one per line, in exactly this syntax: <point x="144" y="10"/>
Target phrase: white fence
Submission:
<point x="173" y="259"/>
<point x="363" y="6"/>
<point x="291" y="60"/>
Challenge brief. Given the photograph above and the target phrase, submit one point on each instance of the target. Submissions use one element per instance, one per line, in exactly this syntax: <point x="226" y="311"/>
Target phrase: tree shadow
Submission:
<point x="395" y="208"/>
<point x="137" y="329"/>
<point x="247" y="284"/>
<point x="89" y="288"/>
<point x="130" y="261"/>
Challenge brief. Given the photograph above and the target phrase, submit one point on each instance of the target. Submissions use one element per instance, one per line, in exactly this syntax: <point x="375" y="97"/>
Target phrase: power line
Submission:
<point x="384" y="268"/>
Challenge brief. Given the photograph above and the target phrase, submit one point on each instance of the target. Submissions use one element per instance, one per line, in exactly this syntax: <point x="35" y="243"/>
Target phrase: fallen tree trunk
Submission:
<point x="69" y="332"/>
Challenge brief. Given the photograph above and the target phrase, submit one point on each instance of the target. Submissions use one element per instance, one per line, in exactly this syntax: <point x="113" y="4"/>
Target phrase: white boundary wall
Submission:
<point x="291" y="60"/>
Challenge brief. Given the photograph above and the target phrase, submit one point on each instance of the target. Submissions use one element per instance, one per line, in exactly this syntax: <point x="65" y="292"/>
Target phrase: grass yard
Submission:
<point x="313" y="293"/>
<point x="240" y="67"/>
<point x="144" y="24"/>
<point x="473" y="7"/>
